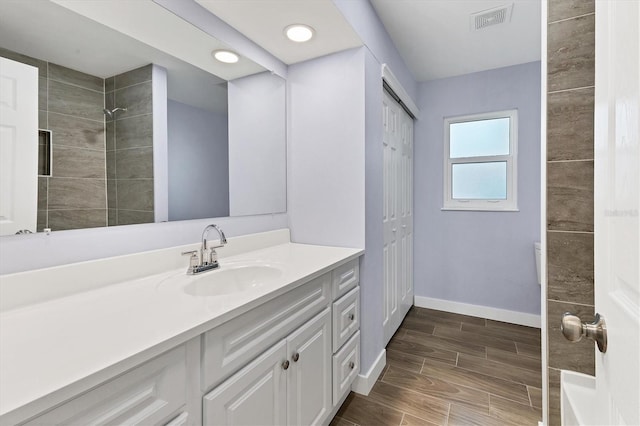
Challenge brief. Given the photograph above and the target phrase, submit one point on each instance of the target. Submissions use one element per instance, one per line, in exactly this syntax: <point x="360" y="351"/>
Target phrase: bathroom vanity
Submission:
<point x="271" y="337"/>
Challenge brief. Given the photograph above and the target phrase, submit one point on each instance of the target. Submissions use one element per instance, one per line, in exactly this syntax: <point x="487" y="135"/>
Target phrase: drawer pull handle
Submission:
<point x="352" y="365"/>
<point x="352" y="317"/>
<point x="295" y="357"/>
<point x="285" y="365"/>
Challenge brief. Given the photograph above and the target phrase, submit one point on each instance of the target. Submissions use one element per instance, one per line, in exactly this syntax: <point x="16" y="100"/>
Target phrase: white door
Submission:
<point x="18" y="147"/>
<point x="406" y="213"/>
<point x="256" y="395"/>
<point x="309" y="375"/>
<point x="397" y="214"/>
<point x="617" y="193"/>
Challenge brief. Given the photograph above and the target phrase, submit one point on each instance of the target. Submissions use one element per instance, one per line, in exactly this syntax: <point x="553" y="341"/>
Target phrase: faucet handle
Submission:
<point x="193" y="259"/>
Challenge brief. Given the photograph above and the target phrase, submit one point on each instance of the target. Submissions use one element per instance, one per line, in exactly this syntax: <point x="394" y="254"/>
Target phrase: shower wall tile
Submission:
<point x="42" y="93"/>
<point x="570" y="125"/>
<point x="137" y="99"/>
<point x="135" y="194"/>
<point x="135" y="131"/>
<point x="60" y="220"/>
<point x="76" y="132"/>
<point x="570" y="248"/>
<point x="76" y="101"/>
<point x="70" y="193"/>
<point x="130" y="217"/>
<point x="43" y="122"/>
<point x="563" y="354"/>
<point x="78" y="163"/>
<point x="76" y="78"/>
<point x="135" y="163"/>
<point x="110" y="136"/>
<point x="129" y="78"/>
<point x="111" y="164"/>
<point x="570" y="196"/>
<point x="554" y="397"/>
<point x="112" y="217"/>
<point x="109" y="84"/>
<point x="570" y="267"/>
<point x="15" y="56"/>
<point x="112" y="194"/>
<point x="41" y="221"/>
<point x="571" y="53"/>
<point x="43" y="184"/>
<point x="109" y="102"/>
<point x="563" y="9"/>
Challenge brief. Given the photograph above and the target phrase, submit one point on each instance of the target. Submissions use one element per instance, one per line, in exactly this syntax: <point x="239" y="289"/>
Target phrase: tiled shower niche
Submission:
<point x="74" y="194"/>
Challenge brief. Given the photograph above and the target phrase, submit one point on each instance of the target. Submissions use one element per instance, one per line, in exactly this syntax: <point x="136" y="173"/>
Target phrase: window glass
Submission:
<point x="479" y="181"/>
<point x="479" y="138"/>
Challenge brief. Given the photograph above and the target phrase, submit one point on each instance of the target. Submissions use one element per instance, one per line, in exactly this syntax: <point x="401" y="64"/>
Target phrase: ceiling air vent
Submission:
<point x="489" y="18"/>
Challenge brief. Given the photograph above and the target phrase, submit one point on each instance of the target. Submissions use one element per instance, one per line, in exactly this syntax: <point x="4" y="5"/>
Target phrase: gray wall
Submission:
<point x="198" y="154"/>
<point x="570" y="172"/>
<point x="346" y="90"/>
<point x="479" y="258"/>
<point x="326" y="180"/>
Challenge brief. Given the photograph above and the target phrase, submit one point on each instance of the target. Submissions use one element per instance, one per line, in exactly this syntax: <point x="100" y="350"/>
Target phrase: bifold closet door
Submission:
<point x="397" y="214"/>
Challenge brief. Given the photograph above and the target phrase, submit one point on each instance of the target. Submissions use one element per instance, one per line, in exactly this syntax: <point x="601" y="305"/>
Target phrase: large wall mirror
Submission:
<point x="133" y="130"/>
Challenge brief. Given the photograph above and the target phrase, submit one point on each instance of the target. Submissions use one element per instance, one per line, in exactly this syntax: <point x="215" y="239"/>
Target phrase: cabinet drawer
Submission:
<point x="345" y="277"/>
<point x="152" y="394"/>
<point x="346" y="317"/>
<point x="346" y="366"/>
<point x="233" y="344"/>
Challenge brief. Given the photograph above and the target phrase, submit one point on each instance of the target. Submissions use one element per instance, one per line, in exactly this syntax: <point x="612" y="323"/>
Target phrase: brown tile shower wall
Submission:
<point x="130" y="147"/>
<point x="570" y="108"/>
<point x="70" y="105"/>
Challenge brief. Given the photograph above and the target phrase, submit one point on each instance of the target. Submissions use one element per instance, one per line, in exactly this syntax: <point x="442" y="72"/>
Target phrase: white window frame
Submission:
<point x="511" y="202"/>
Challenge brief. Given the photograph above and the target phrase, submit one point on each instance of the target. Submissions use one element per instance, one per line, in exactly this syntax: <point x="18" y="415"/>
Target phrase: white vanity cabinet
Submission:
<point x="289" y="384"/>
<point x="283" y="357"/>
<point x="152" y="394"/>
<point x="346" y="323"/>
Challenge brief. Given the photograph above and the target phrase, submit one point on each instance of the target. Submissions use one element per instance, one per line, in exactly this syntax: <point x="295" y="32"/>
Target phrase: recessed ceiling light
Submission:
<point x="226" y="56"/>
<point x="299" y="32"/>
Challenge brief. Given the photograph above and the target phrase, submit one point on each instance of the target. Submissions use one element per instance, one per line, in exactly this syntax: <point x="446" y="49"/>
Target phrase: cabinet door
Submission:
<point x="309" y="378"/>
<point x="256" y="395"/>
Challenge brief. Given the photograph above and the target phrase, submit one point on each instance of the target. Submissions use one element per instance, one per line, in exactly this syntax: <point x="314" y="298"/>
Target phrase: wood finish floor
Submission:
<point x="450" y="369"/>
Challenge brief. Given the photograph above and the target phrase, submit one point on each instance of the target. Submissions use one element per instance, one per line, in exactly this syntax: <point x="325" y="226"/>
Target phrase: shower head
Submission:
<point x="110" y="112"/>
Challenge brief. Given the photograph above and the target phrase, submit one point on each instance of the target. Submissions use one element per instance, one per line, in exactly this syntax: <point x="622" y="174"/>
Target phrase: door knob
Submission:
<point x="574" y="330"/>
<point x="295" y="357"/>
<point x="285" y="364"/>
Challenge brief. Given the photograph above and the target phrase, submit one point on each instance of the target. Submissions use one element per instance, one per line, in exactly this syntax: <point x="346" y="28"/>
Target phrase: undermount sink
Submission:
<point x="232" y="279"/>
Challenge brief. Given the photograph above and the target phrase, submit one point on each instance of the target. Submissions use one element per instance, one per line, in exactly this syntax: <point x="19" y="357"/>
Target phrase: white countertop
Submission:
<point x="81" y="339"/>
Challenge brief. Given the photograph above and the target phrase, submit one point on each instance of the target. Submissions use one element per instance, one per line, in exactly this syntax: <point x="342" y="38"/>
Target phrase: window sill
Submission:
<point x="480" y="209"/>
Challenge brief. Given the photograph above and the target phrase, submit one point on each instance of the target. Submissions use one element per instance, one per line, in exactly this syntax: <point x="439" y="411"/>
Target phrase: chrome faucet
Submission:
<point x="208" y="258"/>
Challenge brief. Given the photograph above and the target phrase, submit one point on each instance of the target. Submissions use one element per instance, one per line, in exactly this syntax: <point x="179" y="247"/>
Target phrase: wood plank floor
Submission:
<point x="450" y="369"/>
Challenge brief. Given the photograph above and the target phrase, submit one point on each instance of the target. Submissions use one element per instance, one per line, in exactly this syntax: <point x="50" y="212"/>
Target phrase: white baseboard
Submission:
<point x="514" y="317"/>
<point x="364" y="382"/>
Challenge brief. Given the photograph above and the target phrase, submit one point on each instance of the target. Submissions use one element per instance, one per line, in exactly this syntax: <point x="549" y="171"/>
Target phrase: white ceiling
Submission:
<point x="264" y="21"/>
<point x="433" y="36"/>
<point x="435" y="39"/>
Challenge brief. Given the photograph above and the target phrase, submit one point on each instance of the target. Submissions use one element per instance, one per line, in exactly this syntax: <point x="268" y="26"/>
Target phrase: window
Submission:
<point x="480" y="161"/>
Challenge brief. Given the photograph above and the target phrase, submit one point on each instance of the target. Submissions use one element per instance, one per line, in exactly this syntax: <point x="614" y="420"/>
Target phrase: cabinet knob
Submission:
<point x="352" y="365"/>
<point x="352" y="317"/>
<point x="295" y="357"/>
<point x="285" y="365"/>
